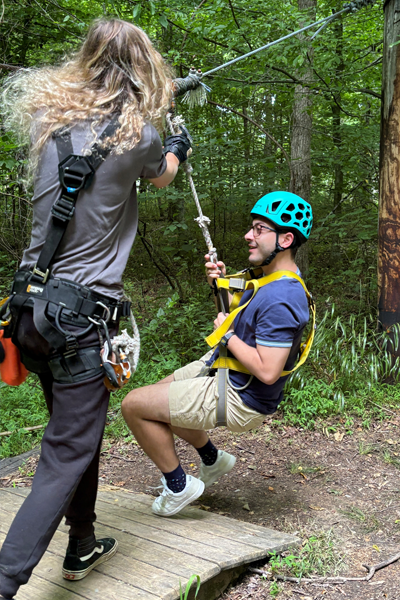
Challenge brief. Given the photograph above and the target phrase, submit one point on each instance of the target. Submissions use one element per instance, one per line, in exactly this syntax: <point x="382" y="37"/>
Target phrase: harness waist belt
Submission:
<point x="79" y="300"/>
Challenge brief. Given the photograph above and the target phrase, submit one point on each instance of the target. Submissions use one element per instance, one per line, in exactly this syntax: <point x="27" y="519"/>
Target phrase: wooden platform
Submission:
<point x="155" y="553"/>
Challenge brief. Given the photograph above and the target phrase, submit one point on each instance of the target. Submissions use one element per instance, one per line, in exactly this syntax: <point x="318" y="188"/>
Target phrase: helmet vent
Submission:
<point x="275" y="206"/>
<point x="298" y="215"/>
<point x="301" y="207"/>
<point x="291" y="207"/>
<point x="285" y="217"/>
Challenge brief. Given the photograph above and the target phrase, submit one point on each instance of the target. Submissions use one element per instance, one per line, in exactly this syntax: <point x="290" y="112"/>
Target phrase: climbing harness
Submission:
<point x="56" y="301"/>
<point x="238" y="284"/>
<point x="193" y="89"/>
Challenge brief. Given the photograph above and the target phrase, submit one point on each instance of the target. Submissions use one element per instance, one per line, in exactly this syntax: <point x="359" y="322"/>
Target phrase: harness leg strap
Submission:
<point x="83" y="364"/>
<point x="222" y="384"/>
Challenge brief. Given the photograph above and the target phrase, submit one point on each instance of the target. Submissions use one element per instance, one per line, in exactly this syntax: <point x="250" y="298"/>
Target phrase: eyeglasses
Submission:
<point x="257" y="229"/>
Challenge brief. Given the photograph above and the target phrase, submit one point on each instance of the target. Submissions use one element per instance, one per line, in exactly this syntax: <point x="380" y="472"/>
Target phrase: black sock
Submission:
<point x="176" y="479"/>
<point x="208" y="453"/>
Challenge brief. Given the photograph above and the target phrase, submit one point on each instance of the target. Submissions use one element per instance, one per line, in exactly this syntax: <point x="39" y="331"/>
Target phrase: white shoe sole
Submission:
<point x="174" y="511"/>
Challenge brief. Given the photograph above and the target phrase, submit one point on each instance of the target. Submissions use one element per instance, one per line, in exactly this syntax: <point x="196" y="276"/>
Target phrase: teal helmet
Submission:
<point x="286" y="210"/>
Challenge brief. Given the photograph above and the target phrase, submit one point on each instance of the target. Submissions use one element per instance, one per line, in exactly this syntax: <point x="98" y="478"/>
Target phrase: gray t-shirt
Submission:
<point x="96" y="245"/>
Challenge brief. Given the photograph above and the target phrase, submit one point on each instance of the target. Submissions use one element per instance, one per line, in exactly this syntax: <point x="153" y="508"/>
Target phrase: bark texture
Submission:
<point x="389" y="207"/>
<point x="300" y="181"/>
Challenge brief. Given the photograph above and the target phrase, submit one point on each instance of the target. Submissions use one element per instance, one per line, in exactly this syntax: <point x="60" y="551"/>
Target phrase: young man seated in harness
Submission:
<point x="262" y="344"/>
<point x="68" y="292"/>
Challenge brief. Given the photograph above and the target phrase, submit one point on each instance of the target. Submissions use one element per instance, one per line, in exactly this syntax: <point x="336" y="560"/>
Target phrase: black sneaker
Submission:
<point x="76" y="566"/>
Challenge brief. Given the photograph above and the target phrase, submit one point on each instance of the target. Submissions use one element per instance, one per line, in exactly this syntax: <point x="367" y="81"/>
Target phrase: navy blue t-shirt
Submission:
<point x="276" y="317"/>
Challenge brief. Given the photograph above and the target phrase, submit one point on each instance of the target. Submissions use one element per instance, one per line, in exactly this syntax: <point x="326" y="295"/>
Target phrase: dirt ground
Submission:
<point x="339" y="484"/>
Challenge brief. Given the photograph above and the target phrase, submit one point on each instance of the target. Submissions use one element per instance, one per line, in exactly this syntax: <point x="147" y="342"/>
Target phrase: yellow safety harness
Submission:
<point x="238" y="284"/>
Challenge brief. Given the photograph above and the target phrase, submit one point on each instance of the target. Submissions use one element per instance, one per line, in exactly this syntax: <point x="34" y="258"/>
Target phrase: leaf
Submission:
<point x="252" y="467"/>
<point x="163" y="21"/>
<point x="188" y="586"/>
<point x="136" y="11"/>
<point x="338" y="436"/>
<point x="316" y="507"/>
<point x="246" y="506"/>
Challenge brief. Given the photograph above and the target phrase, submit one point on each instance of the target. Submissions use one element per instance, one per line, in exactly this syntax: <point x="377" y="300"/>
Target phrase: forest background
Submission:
<point x="304" y="116"/>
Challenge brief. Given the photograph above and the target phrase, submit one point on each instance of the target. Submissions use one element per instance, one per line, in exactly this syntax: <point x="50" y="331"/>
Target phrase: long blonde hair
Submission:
<point x="117" y="69"/>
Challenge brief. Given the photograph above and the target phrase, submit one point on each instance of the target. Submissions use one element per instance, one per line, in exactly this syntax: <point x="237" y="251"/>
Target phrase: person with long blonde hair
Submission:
<point x="108" y="100"/>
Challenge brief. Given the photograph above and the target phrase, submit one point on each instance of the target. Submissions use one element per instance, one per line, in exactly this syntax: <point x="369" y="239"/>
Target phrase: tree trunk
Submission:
<point x="389" y="200"/>
<point x="336" y="115"/>
<point x="300" y="181"/>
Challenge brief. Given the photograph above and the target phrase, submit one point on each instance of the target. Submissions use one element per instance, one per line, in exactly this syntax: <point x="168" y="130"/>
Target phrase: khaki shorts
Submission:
<point x="193" y="402"/>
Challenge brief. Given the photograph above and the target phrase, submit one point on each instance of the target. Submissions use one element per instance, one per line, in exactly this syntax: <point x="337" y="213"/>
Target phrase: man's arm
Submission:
<point x="264" y="362"/>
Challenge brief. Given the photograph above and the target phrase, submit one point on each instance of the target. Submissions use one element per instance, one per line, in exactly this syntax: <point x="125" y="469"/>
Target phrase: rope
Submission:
<point x="128" y="344"/>
<point x="202" y="220"/>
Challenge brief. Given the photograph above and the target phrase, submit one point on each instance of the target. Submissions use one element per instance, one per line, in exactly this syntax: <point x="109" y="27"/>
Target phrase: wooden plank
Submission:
<point x="124" y="496"/>
<point x="9" y="465"/>
<point x="223" y="557"/>
<point x="154" y="552"/>
<point x="214" y="530"/>
<point x="131" y="564"/>
<point x="178" y="562"/>
<point x="39" y="588"/>
<point x="217" y="525"/>
<point x="96" y="586"/>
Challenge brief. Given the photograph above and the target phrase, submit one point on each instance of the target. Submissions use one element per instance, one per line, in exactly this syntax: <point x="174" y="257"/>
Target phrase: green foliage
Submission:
<point x="317" y="556"/>
<point x="234" y="164"/>
<point x="174" y="337"/>
<point x="22" y="406"/>
<point x="185" y="595"/>
<point x="347" y="366"/>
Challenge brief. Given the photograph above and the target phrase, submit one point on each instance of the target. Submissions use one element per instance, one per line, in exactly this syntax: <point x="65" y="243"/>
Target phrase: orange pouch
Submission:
<point x="12" y="371"/>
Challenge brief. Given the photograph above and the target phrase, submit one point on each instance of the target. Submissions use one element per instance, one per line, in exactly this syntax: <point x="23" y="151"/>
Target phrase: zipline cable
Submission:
<point x="193" y="89"/>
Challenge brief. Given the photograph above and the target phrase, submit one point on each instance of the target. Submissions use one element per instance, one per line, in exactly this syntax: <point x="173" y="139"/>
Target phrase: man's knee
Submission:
<point x="130" y="403"/>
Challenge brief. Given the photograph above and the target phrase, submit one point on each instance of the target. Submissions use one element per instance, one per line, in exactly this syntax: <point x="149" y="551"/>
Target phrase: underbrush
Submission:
<point x="317" y="555"/>
<point x="345" y="371"/>
<point x="343" y="374"/>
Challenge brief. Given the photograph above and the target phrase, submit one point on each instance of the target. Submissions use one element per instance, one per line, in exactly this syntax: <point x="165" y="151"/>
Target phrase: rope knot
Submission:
<point x="203" y="220"/>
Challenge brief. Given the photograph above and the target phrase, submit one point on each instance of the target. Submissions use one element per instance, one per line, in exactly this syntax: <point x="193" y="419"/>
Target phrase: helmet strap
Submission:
<point x="270" y="258"/>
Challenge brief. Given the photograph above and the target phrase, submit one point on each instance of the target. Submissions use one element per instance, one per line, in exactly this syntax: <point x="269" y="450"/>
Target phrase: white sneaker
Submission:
<point x="170" y="503"/>
<point x="224" y="463"/>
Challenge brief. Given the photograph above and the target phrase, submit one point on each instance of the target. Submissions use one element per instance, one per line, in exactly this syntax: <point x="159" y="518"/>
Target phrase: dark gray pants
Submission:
<point x="66" y="478"/>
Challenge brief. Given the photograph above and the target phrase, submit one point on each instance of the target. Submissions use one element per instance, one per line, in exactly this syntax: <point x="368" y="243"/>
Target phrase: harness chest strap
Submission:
<point x="225" y="362"/>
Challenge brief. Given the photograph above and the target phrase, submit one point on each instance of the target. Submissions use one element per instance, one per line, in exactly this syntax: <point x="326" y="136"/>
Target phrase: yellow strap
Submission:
<point x="234" y="365"/>
<point x="229" y="363"/>
<point x="4" y="323"/>
<point x="215" y="337"/>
